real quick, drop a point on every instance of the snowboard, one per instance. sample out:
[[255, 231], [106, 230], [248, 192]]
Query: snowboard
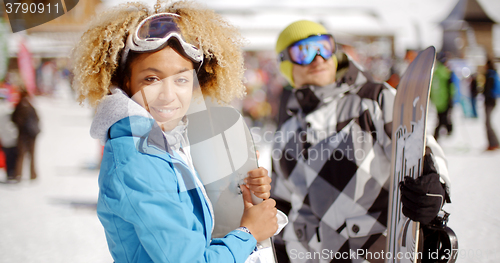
[[408, 148], [223, 151]]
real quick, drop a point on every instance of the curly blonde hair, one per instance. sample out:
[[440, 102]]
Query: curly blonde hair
[[97, 56]]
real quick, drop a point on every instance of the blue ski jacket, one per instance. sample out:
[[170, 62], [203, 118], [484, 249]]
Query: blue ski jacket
[[150, 205]]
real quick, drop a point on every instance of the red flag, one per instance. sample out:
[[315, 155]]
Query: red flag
[[25, 63]]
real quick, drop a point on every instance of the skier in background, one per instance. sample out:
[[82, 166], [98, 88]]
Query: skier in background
[[489, 105], [473, 94], [26, 119], [442, 91]]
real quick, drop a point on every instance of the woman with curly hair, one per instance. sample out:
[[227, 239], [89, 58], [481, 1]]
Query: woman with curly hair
[[140, 69]]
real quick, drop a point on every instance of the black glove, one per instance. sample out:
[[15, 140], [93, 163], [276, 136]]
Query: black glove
[[423, 197]]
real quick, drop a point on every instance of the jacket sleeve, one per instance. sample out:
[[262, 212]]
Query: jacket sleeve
[[279, 191], [280, 186], [19, 114], [163, 217], [488, 84], [440, 162], [383, 120]]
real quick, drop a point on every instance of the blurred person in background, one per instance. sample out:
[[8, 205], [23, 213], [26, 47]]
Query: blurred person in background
[[8, 137], [473, 88], [490, 103], [332, 156], [26, 119], [442, 92], [394, 78], [139, 67]]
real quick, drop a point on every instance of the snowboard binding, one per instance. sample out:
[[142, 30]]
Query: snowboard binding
[[440, 242]]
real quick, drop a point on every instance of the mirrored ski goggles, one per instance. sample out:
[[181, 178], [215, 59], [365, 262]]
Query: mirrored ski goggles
[[305, 50], [154, 33]]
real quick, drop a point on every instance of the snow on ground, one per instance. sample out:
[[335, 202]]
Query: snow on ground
[[475, 177], [53, 219]]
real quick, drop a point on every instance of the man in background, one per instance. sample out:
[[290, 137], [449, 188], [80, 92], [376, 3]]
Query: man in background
[[26, 119], [490, 103], [332, 156], [442, 92]]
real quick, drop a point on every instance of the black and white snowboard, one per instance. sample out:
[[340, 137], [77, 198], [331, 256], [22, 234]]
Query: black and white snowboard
[[404, 237]]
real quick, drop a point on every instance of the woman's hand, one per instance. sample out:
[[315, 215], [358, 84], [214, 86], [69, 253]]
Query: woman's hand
[[259, 183], [260, 219]]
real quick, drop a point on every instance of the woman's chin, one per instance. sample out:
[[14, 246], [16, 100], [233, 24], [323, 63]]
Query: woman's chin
[[168, 125]]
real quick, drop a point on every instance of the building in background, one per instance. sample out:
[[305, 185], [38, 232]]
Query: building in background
[[468, 32], [468, 42]]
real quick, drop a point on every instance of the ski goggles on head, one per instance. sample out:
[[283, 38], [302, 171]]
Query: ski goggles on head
[[154, 33], [305, 50]]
